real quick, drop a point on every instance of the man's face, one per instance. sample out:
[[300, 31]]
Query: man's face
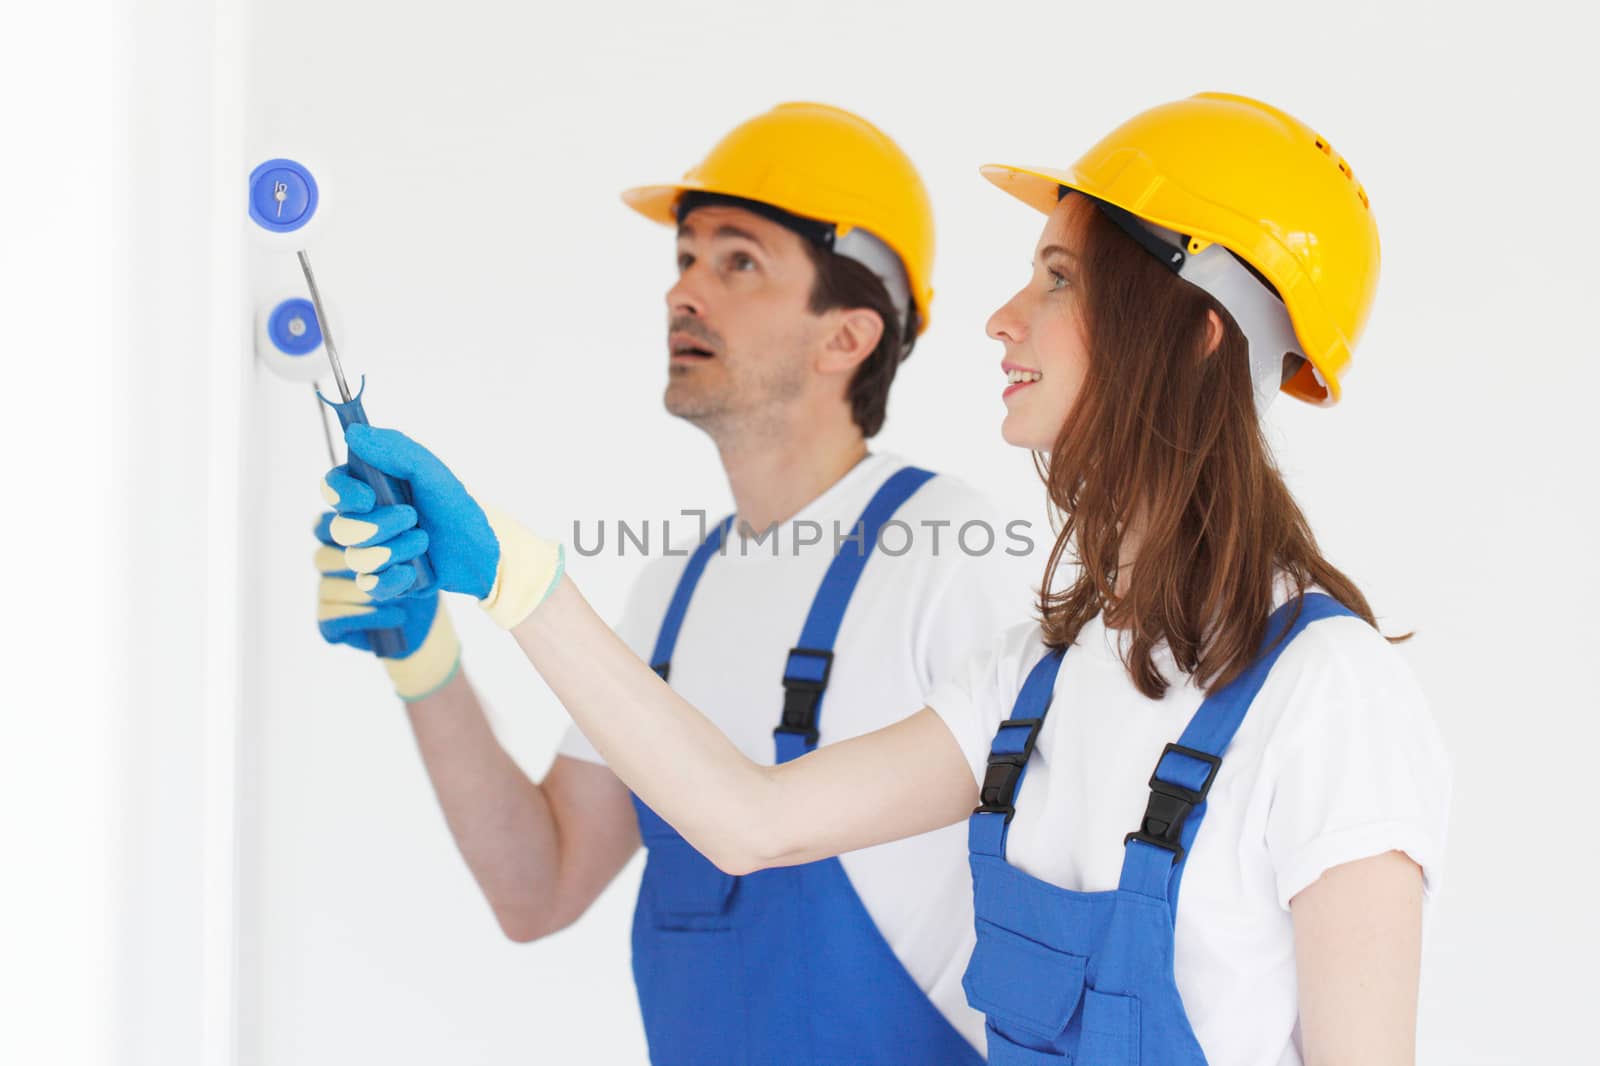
[[741, 340]]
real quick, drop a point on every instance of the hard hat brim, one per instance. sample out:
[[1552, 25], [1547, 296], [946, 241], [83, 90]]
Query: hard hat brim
[[656, 202]]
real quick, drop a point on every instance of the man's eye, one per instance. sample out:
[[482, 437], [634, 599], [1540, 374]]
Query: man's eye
[[740, 261], [685, 260]]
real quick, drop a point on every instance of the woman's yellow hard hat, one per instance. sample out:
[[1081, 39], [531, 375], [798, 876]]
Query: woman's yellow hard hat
[[821, 163], [1232, 171]]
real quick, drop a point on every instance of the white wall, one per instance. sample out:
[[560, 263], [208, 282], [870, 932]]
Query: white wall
[[508, 309], [125, 355], [58, 729], [180, 368]]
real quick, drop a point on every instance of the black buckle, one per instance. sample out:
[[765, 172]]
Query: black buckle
[[801, 694], [662, 669], [999, 792], [1170, 804]]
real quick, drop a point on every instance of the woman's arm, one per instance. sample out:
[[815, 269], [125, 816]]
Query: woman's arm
[[1358, 954], [897, 782], [906, 779]]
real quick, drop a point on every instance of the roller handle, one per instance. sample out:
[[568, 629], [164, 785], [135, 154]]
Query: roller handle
[[386, 643]]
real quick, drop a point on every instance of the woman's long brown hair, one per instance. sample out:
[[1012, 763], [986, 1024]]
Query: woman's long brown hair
[[1165, 437]]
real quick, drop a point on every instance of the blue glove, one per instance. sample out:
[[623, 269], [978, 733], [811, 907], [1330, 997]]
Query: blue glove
[[483, 554], [347, 615]]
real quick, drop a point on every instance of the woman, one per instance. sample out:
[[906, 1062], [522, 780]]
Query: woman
[[1200, 258]]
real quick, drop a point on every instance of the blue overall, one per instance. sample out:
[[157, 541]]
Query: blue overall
[[1086, 978], [782, 966]]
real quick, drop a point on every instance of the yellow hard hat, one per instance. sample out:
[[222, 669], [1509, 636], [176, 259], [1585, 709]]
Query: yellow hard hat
[[1232, 171], [821, 163]]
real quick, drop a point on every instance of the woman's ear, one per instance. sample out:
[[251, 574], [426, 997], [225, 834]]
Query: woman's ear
[[1213, 331], [855, 336]]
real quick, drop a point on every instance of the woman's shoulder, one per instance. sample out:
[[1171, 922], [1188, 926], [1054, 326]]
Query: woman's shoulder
[[1340, 673], [1345, 645]]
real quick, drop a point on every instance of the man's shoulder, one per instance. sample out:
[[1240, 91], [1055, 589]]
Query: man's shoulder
[[655, 581], [950, 524], [663, 567], [943, 496]]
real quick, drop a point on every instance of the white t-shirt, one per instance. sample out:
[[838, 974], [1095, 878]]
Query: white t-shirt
[[1337, 760], [921, 609]]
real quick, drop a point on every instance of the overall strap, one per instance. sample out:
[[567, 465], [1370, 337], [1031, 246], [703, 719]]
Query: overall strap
[[1154, 855], [667, 637], [805, 673], [1008, 758]]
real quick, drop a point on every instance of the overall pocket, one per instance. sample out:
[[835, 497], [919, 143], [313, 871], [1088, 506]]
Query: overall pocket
[[1005, 1052], [689, 996], [1110, 1030], [1028, 990], [685, 890], [687, 962]]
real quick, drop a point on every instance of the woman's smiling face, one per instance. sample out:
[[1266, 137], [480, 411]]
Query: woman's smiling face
[[1043, 330]]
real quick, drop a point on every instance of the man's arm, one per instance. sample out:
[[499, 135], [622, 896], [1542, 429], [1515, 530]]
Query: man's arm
[[541, 852]]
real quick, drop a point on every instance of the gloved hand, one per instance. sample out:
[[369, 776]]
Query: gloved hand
[[347, 615], [479, 552]]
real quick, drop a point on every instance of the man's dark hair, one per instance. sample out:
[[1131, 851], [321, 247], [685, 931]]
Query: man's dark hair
[[845, 283]]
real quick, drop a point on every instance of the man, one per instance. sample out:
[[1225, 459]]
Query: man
[[804, 249]]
